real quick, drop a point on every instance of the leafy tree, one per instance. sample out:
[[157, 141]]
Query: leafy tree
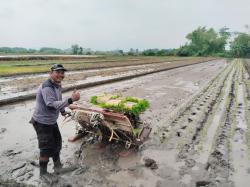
[[75, 49], [184, 51], [131, 52], [240, 46], [49, 50], [159, 52], [16, 50], [80, 50], [121, 52], [203, 42], [166, 52], [150, 52], [224, 32]]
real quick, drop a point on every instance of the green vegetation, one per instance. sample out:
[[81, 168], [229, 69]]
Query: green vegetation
[[204, 42], [77, 50], [93, 100], [208, 42], [240, 47], [124, 104], [21, 50], [15, 50], [159, 52], [14, 67]]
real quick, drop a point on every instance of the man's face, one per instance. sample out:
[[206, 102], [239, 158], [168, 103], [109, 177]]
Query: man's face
[[57, 76]]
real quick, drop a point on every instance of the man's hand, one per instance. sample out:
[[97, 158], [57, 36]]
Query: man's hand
[[75, 95], [65, 113], [73, 106]]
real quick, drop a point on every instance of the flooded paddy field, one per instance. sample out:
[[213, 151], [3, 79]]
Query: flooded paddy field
[[22, 66], [22, 86], [200, 119]]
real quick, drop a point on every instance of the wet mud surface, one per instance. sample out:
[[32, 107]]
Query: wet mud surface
[[18, 86], [198, 115]]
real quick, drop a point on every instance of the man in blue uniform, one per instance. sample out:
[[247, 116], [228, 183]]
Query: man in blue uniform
[[49, 104]]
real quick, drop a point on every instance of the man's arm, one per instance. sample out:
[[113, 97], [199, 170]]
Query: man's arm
[[51, 100]]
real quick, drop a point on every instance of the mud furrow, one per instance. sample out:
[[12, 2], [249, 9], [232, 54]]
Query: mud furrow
[[226, 157], [189, 126], [209, 137], [202, 144], [30, 96], [205, 129], [218, 165], [205, 170], [240, 158], [178, 139], [188, 114], [247, 103]]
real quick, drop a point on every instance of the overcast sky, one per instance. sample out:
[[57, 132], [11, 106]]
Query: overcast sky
[[114, 24]]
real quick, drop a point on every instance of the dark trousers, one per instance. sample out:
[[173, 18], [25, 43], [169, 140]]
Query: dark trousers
[[49, 139]]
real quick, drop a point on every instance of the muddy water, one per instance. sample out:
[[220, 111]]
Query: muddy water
[[18, 86], [27, 85], [222, 159], [211, 131], [183, 136], [165, 91], [240, 158], [20, 77]]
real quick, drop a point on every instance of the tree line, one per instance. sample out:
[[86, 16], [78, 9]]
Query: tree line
[[202, 41], [208, 42]]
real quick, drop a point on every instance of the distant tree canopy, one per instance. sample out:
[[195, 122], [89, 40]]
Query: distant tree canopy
[[204, 42], [75, 48], [18, 50], [78, 50], [240, 46], [201, 42], [133, 52], [159, 52], [49, 50], [21, 50]]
